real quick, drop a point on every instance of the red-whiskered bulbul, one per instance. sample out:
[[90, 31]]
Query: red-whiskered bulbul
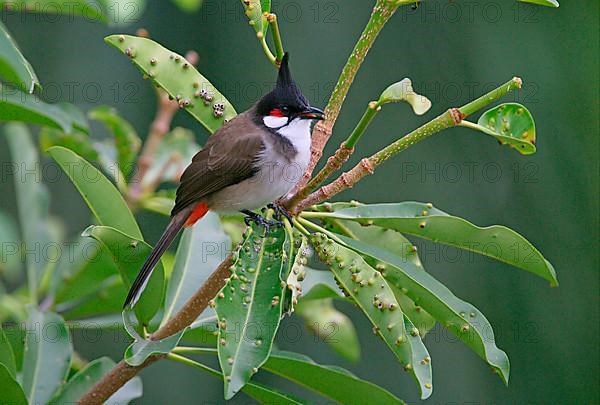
[[251, 161]]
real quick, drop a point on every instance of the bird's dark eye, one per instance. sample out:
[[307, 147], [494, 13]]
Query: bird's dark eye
[[285, 109]]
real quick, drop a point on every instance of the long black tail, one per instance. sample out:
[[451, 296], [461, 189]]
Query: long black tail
[[163, 244]]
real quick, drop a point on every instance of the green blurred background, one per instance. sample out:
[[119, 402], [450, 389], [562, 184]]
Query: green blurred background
[[452, 51]]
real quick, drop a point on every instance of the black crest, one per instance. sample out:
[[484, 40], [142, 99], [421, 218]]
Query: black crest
[[285, 92]]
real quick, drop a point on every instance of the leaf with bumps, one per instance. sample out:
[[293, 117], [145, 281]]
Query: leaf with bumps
[[460, 317], [397, 244], [14, 68], [332, 326], [138, 351], [372, 293], [294, 272], [403, 91], [511, 124], [254, 12], [425, 221], [129, 254], [178, 78], [127, 141], [250, 305]]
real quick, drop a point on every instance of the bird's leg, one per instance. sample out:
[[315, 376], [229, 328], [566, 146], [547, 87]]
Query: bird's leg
[[258, 219], [280, 211]]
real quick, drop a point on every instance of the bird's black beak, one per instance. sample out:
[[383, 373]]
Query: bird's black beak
[[312, 113]]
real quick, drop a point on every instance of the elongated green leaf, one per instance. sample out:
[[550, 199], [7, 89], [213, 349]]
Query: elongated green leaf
[[7, 357], [397, 244], [86, 8], [47, 355], [201, 249], [83, 271], [424, 221], [85, 379], [172, 156], [32, 201], [10, 256], [101, 196], [107, 300], [511, 124], [460, 317], [189, 6], [420, 366], [17, 106], [318, 285], [141, 348], [75, 141], [375, 298], [254, 12], [12, 393], [249, 306], [177, 77], [14, 68], [294, 273], [76, 116], [547, 3], [332, 382], [129, 254], [332, 326], [262, 393], [403, 91], [127, 141]]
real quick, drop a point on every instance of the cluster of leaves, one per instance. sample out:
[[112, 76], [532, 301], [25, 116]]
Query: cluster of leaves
[[362, 251]]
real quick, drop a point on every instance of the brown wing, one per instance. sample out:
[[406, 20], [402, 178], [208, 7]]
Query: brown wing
[[227, 158]]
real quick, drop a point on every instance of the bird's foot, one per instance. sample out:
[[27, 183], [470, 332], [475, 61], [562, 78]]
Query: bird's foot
[[259, 220], [280, 211]]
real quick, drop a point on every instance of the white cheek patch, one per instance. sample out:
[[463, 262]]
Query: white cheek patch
[[275, 122]]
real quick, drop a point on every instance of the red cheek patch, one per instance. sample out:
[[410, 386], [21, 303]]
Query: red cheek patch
[[276, 112]]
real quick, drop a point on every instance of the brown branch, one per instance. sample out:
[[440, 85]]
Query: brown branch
[[122, 372]]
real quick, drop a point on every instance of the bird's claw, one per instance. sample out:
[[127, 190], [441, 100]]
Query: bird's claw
[[280, 211], [253, 217]]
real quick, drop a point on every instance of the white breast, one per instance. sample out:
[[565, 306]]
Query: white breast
[[277, 175]]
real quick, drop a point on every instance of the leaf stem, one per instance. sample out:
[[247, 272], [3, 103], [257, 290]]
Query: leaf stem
[[267, 51], [380, 15], [272, 19], [450, 118], [192, 363]]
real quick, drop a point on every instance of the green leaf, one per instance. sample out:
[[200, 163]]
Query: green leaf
[[177, 77], [87, 8], [17, 106], [397, 244], [332, 382], [10, 256], [547, 3], [7, 357], [14, 68], [32, 200], [76, 116], [80, 384], [107, 300], [294, 273], [319, 284], [253, 10], [201, 249], [127, 141], [47, 355], [82, 272], [332, 326], [375, 298], [129, 254], [75, 141], [460, 317], [403, 91], [188, 6], [122, 12], [101, 196], [511, 124], [249, 306], [12, 393], [171, 157], [141, 348], [426, 222]]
